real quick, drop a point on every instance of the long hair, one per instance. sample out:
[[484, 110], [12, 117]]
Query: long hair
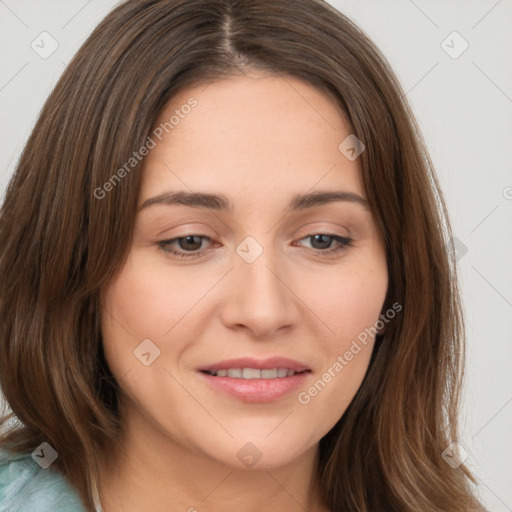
[[62, 239]]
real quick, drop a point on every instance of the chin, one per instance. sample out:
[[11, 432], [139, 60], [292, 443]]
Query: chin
[[261, 452]]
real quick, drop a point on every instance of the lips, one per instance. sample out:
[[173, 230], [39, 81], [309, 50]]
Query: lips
[[255, 380], [252, 373]]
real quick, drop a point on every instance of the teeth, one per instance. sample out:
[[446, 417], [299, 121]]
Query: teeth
[[253, 373]]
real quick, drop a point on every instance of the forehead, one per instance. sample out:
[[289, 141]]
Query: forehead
[[249, 134]]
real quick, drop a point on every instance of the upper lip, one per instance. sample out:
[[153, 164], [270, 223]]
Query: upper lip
[[260, 364]]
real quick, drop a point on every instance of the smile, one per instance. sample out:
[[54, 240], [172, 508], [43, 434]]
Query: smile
[[252, 373], [249, 379]]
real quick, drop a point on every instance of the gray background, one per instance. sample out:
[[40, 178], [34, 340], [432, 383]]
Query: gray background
[[464, 107]]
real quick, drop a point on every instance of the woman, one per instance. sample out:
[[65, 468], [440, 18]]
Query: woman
[[175, 334]]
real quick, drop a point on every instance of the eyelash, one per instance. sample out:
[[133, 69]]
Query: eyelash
[[343, 241]]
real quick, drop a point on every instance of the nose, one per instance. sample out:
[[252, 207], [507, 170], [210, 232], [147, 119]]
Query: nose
[[260, 299]]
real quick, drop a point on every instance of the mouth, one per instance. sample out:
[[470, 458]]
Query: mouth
[[252, 380], [254, 373]]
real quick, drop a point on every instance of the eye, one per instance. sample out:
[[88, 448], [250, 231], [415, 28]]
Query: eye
[[190, 246], [324, 241], [186, 244]]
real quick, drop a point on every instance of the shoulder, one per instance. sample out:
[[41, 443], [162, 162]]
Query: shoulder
[[26, 487]]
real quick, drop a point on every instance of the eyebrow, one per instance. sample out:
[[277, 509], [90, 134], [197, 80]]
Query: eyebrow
[[220, 202]]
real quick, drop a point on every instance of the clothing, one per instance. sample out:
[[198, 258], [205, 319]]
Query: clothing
[[26, 487]]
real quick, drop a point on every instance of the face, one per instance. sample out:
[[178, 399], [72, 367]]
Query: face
[[231, 327]]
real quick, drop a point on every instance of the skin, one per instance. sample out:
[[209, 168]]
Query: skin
[[259, 140]]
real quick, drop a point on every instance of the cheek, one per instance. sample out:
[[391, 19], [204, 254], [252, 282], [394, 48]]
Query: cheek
[[348, 303], [147, 300], [135, 306], [140, 304]]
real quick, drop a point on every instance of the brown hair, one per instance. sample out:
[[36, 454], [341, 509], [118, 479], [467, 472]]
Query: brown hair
[[60, 244]]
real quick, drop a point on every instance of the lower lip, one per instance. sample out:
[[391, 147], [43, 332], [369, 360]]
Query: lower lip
[[256, 390]]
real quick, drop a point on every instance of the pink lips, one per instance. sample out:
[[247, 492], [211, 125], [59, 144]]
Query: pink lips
[[256, 390]]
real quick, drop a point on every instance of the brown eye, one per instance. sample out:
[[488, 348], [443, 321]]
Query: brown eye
[[322, 242], [190, 242], [184, 246]]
